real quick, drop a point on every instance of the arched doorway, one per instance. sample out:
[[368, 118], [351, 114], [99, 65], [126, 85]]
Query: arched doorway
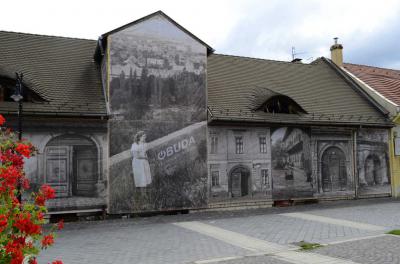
[[71, 166], [372, 166], [239, 181], [334, 177]]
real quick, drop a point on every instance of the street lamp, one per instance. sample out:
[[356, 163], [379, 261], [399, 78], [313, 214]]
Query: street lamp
[[18, 97]]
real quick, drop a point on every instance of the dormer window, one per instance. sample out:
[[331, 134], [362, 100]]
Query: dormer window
[[281, 104], [270, 101], [7, 88]]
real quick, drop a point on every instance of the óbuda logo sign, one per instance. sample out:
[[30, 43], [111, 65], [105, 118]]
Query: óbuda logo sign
[[175, 148]]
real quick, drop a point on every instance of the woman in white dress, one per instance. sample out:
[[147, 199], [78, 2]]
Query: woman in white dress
[[140, 163]]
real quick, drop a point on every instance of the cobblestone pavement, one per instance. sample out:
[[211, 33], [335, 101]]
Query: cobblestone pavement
[[155, 243], [254, 259], [285, 230], [387, 215], [382, 250], [246, 236]]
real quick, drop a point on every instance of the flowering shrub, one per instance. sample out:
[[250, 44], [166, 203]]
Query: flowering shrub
[[21, 233]]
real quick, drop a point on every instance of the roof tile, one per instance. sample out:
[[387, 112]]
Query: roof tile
[[384, 81], [232, 81], [59, 69]]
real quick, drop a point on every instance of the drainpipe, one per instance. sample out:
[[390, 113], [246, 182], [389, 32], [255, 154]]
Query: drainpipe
[[355, 171], [392, 160]]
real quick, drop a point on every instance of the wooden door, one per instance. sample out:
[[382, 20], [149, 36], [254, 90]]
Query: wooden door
[[57, 164], [334, 176], [244, 183], [372, 170], [236, 184], [85, 171]]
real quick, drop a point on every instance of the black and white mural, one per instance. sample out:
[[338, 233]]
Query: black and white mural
[[239, 163], [373, 161], [72, 159], [291, 163], [158, 149], [295, 162], [332, 161]]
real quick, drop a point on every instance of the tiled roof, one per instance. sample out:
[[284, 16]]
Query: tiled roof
[[384, 81], [234, 82], [61, 70]]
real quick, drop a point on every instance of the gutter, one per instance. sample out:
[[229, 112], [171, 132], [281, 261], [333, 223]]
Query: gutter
[[213, 121], [58, 114], [356, 86]]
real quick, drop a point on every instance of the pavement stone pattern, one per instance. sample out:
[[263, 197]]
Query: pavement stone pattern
[[157, 240], [287, 230], [155, 243], [387, 215], [254, 260], [382, 250]]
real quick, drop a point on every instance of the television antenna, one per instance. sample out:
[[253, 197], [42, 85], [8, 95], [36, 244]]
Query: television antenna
[[294, 53]]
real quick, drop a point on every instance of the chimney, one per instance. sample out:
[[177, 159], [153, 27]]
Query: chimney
[[337, 53]]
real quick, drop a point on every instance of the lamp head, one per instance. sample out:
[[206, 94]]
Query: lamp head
[[17, 96]]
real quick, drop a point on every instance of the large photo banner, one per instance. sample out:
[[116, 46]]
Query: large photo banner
[[291, 163], [167, 173], [157, 129], [373, 162]]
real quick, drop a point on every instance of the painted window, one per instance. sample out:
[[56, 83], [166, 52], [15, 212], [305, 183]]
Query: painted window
[[215, 178], [264, 177], [214, 145], [239, 145], [263, 145]]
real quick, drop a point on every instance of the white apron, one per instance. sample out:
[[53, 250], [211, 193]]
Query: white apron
[[140, 165]]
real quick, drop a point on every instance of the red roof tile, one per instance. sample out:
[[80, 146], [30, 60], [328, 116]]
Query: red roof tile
[[384, 81]]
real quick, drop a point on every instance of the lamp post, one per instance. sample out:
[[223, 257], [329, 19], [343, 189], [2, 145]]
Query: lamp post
[[18, 97]]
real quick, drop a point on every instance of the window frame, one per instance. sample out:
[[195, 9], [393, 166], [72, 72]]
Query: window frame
[[264, 177], [214, 144], [263, 144], [215, 178], [239, 148]]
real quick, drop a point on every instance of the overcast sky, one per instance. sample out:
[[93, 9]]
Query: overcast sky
[[368, 30]]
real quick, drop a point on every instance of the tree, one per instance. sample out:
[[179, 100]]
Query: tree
[[21, 233]]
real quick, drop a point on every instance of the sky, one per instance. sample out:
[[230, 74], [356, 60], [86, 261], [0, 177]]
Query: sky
[[368, 30]]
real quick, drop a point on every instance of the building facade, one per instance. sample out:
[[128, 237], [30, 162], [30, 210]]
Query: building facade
[[157, 121], [383, 85]]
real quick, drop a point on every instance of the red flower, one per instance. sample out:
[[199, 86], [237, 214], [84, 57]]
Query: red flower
[[48, 192], [18, 258], [57, 262], [3, 222], [25, 184], [9, 156], [47, 240], [60, 224], [33, 261], [2, 120], [40, 200], [22, 223], [11, 175], [24, 150], [40, 216], [25, 225], [15, 201], [14, 248]]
